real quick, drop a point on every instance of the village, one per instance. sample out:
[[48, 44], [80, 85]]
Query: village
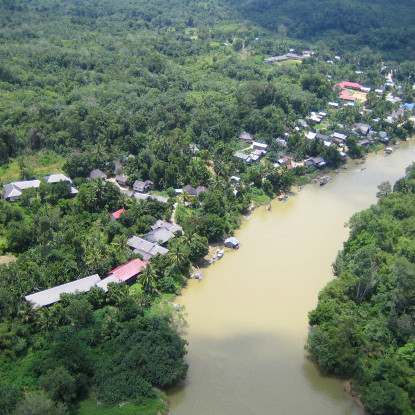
[[347, 141]]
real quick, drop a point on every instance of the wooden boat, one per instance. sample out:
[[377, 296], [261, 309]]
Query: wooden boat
[[282, 197]]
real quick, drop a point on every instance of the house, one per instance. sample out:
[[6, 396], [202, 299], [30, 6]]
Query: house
[[193, 148], [259, 146], [314, 162], [379, 91], [315, 118], [383, 137], [116, 215], [322, 137], [303, 123], [142, 187], [163, 199], [128, 193], [117, 166], [333, 104], [169, 226], [363, 143], [311, 135], [246, 137], [346, 96], [145, 248], [339, 137], [97, 174], [103, 284], [145, 196], [365, 89], [281, 142], [129, 270], [56, 178], [52, 295], [121, 180], [235, 179], [362, 129], [160, 236], [194, 191], [13, 190], [255, 156], [141, 196], [231, 242], [350, 85]]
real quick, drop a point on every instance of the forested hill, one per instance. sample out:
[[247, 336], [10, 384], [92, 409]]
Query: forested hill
[[345, 24], [342, 24], [364, 324]]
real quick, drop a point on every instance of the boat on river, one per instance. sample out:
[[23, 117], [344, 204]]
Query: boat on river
[[324, 180], [219, 253], [282, 197]]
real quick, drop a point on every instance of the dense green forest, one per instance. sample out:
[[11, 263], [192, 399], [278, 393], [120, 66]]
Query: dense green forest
[[133, 87], [363, 327], [344, 25]]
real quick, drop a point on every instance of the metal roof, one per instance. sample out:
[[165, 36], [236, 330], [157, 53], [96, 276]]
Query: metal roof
[[128, 270], [52, 295]]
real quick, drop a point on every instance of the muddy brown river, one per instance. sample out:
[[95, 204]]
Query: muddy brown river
[[247, 318]]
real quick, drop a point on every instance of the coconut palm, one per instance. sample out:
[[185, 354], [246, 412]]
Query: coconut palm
[[178, 256], [148, 279]]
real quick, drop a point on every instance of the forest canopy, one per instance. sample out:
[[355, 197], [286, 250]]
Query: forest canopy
[[363, 327]]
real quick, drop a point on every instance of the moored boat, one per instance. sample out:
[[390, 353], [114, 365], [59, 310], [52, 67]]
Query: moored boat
[[324, 180]]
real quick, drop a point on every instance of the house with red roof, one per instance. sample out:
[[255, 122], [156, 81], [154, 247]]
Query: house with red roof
[[346, 96], [128, 270], [116, 215], [351, 85]]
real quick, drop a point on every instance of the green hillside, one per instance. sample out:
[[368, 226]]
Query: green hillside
[[380, 24]]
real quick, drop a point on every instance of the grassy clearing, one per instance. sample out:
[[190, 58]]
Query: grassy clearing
[[42, 164], [150, 407]]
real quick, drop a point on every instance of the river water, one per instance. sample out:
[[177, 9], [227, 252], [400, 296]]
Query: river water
[[247, 318]]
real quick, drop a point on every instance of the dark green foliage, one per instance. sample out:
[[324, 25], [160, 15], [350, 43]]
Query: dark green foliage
[[9, 397], [364, 324]]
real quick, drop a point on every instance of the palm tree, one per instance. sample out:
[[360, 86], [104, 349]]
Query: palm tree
[[185, 197], [178, 256], [148, 278]]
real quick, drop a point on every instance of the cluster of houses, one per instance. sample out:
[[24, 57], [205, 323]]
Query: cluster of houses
[[13, 190], [140, 188], [149, 245], [257, 149], [291, 56]]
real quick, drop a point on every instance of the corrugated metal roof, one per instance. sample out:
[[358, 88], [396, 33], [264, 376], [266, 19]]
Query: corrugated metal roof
[[128, 270], [105, 281], [117, 213], [52, 295]]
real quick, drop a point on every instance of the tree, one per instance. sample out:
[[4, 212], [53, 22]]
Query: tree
[[385, 398], [59, 385], [79, 310], [148, 279], [385, 188], [9, 397], [237, 44], [37, 403], [178, 256]]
